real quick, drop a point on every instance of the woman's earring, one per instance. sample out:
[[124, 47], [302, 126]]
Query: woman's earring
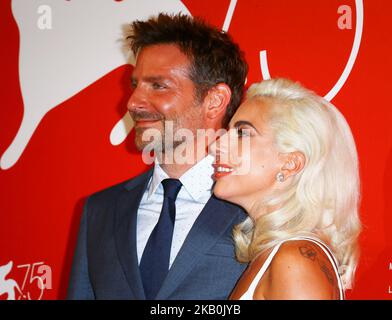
[[280, 177]]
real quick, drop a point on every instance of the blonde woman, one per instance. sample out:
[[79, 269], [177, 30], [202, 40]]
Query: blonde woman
[[298, 181]]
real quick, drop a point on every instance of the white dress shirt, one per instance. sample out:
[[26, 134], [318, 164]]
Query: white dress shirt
[[194, 194]]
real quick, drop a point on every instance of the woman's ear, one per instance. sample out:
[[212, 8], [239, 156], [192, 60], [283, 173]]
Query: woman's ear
[[294, 163], [216, 102]]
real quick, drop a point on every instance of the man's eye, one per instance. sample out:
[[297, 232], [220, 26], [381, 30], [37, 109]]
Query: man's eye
[[157, 85], [133, 84]]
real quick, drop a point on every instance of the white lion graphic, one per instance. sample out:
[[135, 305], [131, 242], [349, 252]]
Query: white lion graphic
[[7, 286]]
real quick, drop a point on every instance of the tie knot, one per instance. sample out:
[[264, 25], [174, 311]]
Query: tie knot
[[171, 188]]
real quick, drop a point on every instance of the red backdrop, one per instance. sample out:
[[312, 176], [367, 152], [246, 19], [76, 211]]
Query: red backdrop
[[70, 156]]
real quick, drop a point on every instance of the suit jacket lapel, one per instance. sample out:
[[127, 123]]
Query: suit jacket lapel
[[125, 231], [212, 222]]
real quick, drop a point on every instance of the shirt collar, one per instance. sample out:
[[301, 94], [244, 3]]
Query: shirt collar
[[196, 181]]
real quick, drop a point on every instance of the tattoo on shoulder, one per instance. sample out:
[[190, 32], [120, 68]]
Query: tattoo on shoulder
[[309, 253]]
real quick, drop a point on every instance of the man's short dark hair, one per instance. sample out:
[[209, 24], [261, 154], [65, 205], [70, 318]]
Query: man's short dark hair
[[214, 56]]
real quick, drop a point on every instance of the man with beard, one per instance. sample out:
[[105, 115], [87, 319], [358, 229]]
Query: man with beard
[[162, 235]]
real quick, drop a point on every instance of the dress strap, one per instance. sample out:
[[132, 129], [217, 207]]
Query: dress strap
[[262, 270], [252, 287]]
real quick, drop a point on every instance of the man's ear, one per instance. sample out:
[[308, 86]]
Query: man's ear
[[216, 102], [293, 163]]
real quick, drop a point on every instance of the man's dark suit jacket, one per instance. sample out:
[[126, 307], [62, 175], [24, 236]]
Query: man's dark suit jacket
[[105, 264]]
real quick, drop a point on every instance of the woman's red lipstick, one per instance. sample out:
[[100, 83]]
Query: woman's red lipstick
[[221, 170]]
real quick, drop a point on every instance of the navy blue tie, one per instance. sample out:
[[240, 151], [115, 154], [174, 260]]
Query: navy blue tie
[[154, 264]]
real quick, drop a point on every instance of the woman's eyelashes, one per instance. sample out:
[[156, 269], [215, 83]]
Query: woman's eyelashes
[[243, 132]]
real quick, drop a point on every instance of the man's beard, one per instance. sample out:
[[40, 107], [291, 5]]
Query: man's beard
[[158, 144]]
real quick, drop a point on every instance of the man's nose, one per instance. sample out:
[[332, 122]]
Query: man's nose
[[137, 100]]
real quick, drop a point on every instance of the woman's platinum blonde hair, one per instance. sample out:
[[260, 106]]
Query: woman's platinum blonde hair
[[322, 199]]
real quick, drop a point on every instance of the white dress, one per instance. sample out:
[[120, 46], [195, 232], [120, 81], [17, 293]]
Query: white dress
[[248, 295]]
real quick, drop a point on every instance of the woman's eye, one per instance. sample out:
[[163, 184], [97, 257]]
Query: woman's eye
[[243, 132]]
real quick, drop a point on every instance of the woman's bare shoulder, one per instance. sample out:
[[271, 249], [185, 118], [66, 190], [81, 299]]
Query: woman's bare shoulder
[[301, 270]]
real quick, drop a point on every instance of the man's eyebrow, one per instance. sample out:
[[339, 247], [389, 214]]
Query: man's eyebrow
[[150, 78], [244, 122]]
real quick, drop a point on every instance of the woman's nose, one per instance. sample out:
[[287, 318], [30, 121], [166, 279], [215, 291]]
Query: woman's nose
[[218, 146], [212, 149]]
